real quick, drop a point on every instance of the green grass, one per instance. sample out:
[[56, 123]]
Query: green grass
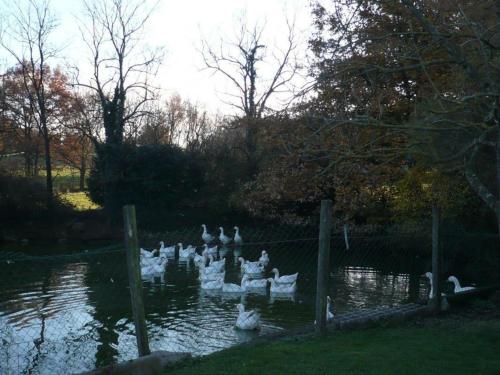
[[80, 201], [469, 348], [64, 178]]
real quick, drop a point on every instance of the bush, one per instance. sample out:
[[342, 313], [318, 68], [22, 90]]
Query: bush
[[23, 199], [155, 178]]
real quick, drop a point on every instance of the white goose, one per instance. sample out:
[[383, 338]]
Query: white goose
[[254, 284], [200, 260], [148, 254], [282, 288], [208, 269], [247, 320], [251, 268], [264, 258], [154, 268], [329, 309], [459, 288], [285, 279], [215, 276], [223, 238], [211, 250], [217, 264], [148, 261], [206, 237], [168, 251], [329, 313], [238, 240], [187, 252], [212, 285], [431, 292], [234, 288]]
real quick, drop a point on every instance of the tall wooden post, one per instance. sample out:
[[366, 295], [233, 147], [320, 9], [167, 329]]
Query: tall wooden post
[[134, 276], [436, 259], [325, 228]]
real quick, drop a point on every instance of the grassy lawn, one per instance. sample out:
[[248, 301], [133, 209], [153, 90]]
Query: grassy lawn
[[79, 200], [471, 347]]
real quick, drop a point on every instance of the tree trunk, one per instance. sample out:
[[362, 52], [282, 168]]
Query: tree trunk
[[83, 170], [497, 149], [36, 168], [48, 168]]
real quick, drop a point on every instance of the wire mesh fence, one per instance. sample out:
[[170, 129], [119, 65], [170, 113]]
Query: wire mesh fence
[[71, 311]]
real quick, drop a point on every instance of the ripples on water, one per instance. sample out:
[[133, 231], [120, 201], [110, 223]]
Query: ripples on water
[[66, 317]]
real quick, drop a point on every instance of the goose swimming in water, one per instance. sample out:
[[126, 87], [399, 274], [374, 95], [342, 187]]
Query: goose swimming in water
[[211, 250], [148, 254], [285, 279], [247, 320], [234, 288], [282, 288], [168, 251], [264, 258], [459, 288]]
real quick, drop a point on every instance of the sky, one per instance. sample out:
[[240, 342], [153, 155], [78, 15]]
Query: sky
[[179, 26]]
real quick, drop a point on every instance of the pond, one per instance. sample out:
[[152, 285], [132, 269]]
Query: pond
[[66, 315]]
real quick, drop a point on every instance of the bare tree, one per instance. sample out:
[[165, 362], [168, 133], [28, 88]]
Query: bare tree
[[239, 61], [257, 72], [121, 71], [29, 31]]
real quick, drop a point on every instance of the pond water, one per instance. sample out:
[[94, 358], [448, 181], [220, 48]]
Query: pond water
[[70, 315]]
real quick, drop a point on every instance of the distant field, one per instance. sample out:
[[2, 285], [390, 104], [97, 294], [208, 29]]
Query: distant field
[[65, 178], [80, 201]]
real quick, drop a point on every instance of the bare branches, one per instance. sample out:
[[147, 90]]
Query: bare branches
[[245, 63], [121, 67]]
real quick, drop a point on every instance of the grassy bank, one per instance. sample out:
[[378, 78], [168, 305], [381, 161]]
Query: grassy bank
[[449, 346]]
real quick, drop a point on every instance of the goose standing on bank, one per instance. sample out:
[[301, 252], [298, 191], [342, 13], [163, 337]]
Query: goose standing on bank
[[459, 288], [223, 238], [238, 240], [247, 320], [431, 291], [206, 237], [329, 309], [285, 279]]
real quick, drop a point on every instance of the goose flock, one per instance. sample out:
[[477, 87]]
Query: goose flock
[[211, 265]]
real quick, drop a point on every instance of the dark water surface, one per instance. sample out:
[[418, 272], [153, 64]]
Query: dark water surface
[[61, 316]]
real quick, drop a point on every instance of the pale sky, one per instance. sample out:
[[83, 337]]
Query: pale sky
[[178, 26]]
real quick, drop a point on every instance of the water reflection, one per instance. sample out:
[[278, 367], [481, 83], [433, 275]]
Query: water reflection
[[77, 314]]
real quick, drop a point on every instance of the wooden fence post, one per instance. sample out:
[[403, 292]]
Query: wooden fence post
[[436, 259], [134, 276], [325, 229]]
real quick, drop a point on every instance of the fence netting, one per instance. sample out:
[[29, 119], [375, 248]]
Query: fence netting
[[69, 311]]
